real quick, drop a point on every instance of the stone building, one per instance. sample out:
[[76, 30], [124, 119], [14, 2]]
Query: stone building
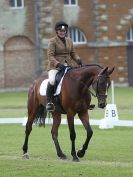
[[101, 30], [18, 61]]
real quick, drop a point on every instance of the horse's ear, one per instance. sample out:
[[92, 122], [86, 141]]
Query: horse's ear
[[104, 70], [111, 70]]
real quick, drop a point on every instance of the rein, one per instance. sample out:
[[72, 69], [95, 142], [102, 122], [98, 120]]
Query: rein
[[92, 93], [85, 85], [97, 94]]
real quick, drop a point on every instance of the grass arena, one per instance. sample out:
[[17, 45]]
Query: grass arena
[[109, 154]]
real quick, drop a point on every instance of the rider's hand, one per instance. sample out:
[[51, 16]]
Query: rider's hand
[[61, 66], [79, 62]]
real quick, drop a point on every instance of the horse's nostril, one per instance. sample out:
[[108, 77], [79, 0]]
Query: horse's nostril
[[102, 105]]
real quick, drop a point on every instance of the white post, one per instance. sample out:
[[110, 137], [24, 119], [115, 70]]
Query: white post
[[112, 88]]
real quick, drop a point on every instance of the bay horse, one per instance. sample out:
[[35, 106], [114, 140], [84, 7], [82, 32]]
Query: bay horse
[[75, 98]]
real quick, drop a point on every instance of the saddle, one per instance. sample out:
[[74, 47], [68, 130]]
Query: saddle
[[56, 99]]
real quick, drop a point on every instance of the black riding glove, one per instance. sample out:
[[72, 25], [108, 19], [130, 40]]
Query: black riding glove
[[79, 62], [61, 66]]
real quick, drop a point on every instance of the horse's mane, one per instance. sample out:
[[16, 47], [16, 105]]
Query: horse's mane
[[94, 65], [88, 65]]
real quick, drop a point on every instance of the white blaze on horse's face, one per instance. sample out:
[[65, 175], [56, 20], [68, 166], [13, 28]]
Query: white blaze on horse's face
[[106, 93], [102, 90]]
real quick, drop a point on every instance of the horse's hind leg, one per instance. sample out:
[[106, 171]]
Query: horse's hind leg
[[54, 132], [72, 137], [85, 120], [31, 115], [25, 145], [32, 111]]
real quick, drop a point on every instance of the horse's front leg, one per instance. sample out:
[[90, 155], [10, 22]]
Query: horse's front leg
[[54, 132], [72, 137], [84, 117]]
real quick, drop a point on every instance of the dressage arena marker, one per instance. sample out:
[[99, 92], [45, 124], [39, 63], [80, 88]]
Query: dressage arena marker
[[110, 117], [111, 113]]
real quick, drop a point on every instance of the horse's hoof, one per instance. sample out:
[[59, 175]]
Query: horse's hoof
[[75, 159], [80, 153], [25, 156], [63, 157]]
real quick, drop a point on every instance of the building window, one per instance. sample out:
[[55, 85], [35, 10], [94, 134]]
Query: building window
[[130, 34], [17, 4], [77, 36], [70, 2]]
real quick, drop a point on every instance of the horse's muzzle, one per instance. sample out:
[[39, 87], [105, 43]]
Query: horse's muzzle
[[102, 102], [102, 105]]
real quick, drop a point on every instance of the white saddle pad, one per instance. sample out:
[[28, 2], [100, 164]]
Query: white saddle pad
[[43, 86]]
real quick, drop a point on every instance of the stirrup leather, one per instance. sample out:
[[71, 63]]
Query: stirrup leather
[[50, 106]]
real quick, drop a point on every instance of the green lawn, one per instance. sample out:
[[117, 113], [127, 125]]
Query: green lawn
[[13, 100], [13, 104], [110, 153]]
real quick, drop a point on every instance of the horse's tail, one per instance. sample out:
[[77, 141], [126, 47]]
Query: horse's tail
[[40, 116], [37, 112]]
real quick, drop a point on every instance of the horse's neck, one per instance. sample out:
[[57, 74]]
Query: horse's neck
[[77, 81], [88, 74]]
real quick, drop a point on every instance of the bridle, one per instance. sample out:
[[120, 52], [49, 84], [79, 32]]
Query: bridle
[[98, 92]]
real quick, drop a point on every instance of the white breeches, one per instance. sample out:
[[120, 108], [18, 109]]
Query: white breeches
[[51, 76]]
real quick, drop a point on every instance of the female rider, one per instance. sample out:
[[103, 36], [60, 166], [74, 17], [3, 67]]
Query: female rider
[[60, 53]]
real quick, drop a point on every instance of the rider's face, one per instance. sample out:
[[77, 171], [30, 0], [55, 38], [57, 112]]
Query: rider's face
[[61, 33]]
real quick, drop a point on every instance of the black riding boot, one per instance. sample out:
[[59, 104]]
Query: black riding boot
[[49, 94]]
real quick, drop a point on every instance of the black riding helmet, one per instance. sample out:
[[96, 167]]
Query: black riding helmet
[[61, 25]]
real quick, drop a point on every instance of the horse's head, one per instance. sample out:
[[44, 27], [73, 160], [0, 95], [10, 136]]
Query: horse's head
[[101, 85]]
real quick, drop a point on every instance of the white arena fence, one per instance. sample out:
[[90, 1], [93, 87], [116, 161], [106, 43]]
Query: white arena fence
[[64, 122]]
